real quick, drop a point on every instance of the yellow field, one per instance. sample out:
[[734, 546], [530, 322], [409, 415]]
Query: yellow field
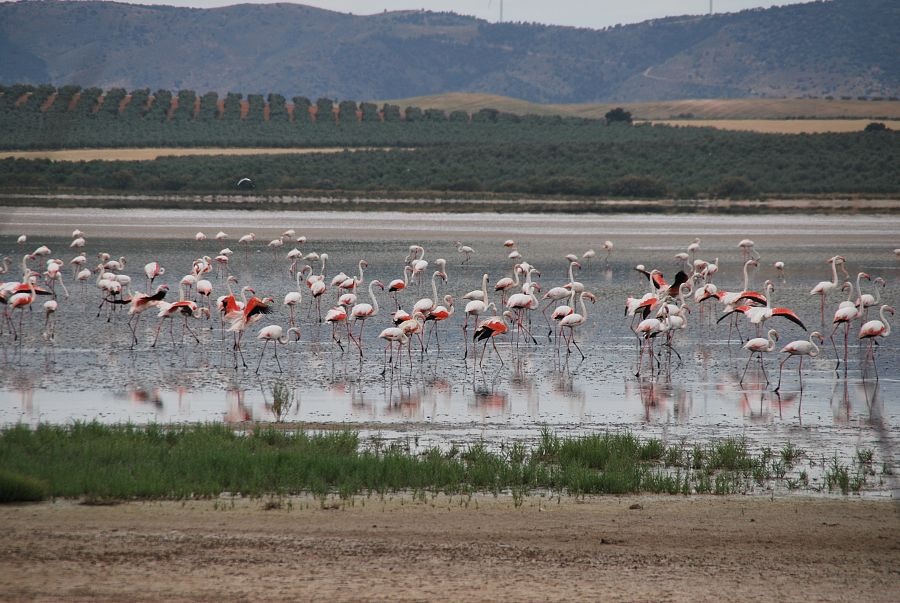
[[153, 153], [780, 126], [757, 108]]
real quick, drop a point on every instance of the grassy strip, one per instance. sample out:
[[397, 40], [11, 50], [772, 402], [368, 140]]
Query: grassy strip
[[102, 462]]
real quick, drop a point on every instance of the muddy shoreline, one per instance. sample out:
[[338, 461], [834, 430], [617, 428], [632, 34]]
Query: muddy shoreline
[[632, 548], [437, 201]]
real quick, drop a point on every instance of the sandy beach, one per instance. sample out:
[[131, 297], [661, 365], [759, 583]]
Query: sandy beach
[[483, 548]]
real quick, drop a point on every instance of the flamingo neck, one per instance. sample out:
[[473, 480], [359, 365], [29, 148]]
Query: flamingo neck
[[834, 276], [484, 280], [583, 306], [884, 320], [747, 275], [572, 275], [360, 272], [372, 296], [434, 294]]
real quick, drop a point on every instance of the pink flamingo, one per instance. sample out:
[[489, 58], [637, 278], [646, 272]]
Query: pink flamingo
[[361, 312], [276, 335], [758, 346], [574, 320], [801, 348], [874, 329], [823, 288]]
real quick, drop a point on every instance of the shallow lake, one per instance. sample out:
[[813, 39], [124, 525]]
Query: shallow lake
[[89, 372]]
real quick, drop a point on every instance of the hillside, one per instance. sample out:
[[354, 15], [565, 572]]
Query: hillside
[[842, 48]]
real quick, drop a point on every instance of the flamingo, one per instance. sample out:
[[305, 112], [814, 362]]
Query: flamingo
[[520, 303], [874, 329], [506, 283], [556, 294], [140, 302], [823, 288], [247, 239], [252, 311], [199, 237], [779, 267], [294, 298], [185, 309], [464, 250], [153, 270], [221, 236], [393, 335], [361, 312], [77, 243], [20, 301], [758, 346], [489, 329], [867, 300], [758, 315], [333, 316], [352, 283], [608, 248], [748, 251], [276, 335], [845, 314], [205, 288], [694, 247], [439, 314], [649, 329], [479, 294], [801, 348], [589, 255], [22, 239], [426, 304], [399, 284], [574, 320]]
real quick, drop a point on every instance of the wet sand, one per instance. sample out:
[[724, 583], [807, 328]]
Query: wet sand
[[664, 549]]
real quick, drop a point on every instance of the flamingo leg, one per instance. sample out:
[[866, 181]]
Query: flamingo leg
[[575, 343], [158, 327], [781, 369], [746, 367], [362, 324], [191, 331], [263, 351], [494, 343], [278, 362]]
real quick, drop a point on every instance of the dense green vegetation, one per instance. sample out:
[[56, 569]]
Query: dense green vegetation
[[488, 152], [118, 462]]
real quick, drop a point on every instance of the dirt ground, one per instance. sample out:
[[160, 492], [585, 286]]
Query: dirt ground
[[452, 549]]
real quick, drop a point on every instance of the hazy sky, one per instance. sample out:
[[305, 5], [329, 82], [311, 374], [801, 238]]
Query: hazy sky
[[593, 13]]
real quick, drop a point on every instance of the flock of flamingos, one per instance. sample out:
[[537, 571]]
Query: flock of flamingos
[[506, 307]]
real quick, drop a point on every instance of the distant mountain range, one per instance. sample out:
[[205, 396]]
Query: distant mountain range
[[840, 48]]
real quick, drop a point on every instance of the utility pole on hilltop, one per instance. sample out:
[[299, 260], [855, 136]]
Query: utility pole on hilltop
[[710, 7]]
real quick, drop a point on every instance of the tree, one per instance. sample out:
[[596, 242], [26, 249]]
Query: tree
[[618, 115], [876, 126], [347, 111], [391, 112], [301, 109], [324, 110]]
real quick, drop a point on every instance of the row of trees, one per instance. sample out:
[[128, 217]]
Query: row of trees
[[640, 162], [24, 99]]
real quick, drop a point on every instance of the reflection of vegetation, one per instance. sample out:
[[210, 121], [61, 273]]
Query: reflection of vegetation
[[108, 462]]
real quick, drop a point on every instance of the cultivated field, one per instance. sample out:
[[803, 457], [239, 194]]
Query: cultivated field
[[780, 126], [787, 108], [150, 154]]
